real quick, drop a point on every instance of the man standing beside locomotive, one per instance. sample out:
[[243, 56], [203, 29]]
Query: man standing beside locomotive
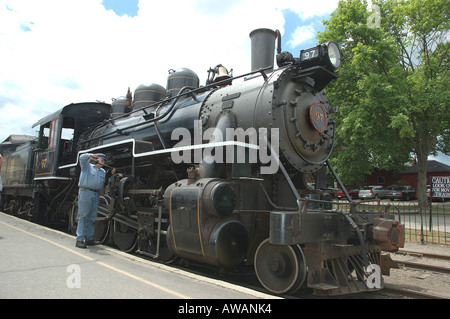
[[92, 180]]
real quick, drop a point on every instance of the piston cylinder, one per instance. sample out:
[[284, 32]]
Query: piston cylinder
[[202, 226]]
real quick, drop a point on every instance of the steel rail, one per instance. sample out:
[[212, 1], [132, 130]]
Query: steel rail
[[390, 287], [422, 266], [422, 254]]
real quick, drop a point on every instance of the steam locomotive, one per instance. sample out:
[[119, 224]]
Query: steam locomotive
[[216, 174]]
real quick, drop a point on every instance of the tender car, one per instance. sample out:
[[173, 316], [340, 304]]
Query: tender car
[[369, 192], [402, 193], [352, 192]]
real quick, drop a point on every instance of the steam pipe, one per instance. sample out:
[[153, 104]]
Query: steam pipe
[[339, 182], [349, 219], [208, 167], [279, 41]]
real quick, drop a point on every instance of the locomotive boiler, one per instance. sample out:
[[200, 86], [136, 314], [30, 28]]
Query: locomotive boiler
[[218, 174]]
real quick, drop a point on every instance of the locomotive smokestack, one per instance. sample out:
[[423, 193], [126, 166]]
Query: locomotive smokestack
[[263, 48]]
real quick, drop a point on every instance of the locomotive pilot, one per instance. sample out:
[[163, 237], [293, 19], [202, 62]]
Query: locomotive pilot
[[92, 180]]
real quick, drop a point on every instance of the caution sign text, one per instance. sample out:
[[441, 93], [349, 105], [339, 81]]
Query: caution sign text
[[440, 186]]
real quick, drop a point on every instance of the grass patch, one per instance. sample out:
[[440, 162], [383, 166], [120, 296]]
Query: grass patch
[[434, 237]]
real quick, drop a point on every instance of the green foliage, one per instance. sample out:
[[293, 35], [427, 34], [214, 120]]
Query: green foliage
[[393, 87]]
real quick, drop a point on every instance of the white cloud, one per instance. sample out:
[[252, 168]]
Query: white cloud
[[301, 34], [55, 52], [308, 9]]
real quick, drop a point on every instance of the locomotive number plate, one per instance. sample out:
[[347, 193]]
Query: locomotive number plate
[[318, 117], [309, 54]]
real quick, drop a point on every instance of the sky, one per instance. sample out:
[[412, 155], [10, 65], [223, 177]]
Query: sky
[[57, 52]]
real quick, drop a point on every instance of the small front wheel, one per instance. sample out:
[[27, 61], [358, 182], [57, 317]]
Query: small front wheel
[[280, 269]]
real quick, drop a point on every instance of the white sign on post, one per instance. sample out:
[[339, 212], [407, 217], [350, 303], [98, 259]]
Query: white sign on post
[[440, 186]]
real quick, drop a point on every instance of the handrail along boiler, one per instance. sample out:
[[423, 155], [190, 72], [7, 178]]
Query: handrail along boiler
[[216, 174]]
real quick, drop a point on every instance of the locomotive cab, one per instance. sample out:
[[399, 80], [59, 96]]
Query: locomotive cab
[[59, 134], [53, 188]]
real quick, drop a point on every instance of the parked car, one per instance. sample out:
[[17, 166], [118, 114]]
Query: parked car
[[402, 193], [440, 199], [434, 199], [369, 192], [352, 192]]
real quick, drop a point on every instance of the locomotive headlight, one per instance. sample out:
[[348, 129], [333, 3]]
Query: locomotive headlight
[[327, 55], [334, 55]]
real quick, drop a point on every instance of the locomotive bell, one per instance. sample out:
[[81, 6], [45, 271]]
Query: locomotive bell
[[221, 75]]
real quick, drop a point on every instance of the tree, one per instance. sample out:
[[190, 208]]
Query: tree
[[393, 87]]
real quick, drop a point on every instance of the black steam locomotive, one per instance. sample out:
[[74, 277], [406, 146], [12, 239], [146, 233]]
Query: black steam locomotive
[[217, 174]]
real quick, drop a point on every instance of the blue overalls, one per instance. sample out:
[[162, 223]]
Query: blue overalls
[[92, 180]]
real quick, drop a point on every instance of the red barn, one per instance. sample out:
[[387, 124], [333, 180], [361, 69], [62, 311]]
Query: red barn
[[406, 177], [434, 168]]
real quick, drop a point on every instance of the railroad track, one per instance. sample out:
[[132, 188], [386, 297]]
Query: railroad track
[[422, 254], [430, 264], [412, 293], [422, 265]]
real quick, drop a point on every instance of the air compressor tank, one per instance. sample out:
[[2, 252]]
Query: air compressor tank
[[146, 95], [119, 107], [180, 78]]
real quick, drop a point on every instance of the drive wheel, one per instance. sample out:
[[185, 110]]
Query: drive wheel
[[125, 237], [73, 219], [149, 244], [102, 225], [280, 269]]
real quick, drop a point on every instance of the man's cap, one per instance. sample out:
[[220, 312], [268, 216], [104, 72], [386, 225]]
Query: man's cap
[[101, 155]]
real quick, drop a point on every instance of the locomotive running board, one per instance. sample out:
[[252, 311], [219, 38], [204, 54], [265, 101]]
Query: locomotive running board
[[135, 154]]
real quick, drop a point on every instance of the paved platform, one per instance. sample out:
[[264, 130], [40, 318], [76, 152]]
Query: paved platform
[[37, 262]]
